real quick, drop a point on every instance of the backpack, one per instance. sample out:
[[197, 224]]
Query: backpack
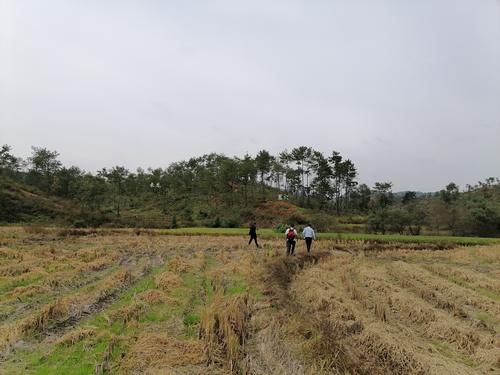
[[291, 234]]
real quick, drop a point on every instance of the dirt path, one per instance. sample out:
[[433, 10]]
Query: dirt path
[[271, 348]]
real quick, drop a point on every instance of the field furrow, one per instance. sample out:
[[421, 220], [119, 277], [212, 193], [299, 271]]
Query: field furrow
[[143, 303]]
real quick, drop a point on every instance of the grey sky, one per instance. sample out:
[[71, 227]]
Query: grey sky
[[409, 90]]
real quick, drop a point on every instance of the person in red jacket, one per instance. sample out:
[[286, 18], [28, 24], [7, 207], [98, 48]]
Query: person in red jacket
[[291, 240]]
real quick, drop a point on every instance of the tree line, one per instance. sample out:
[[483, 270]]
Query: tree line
[[202, 188], [474, 212], [304, 175]]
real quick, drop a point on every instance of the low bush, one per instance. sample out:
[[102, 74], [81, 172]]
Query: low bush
[[231, 222], [280, 228], [323, 222], [297, 219]]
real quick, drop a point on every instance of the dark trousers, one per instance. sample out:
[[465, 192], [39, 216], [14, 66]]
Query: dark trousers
[[290, 247], [253, 238], [309, 242]]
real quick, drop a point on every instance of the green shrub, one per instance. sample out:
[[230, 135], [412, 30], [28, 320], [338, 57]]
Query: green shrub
[[280, 228], [230, 222], [323, 222], [174, 222], [79, 223], [297, 219], [477, 218], [378, 221], [353, 219], [216, 223]]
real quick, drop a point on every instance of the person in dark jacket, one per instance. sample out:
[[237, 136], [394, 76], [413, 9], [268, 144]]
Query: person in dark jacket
[[253, 234]]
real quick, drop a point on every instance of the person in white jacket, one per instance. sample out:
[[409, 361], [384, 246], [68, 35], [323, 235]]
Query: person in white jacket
[[309, 236]]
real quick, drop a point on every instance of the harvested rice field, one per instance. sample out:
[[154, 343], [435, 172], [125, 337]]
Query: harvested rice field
[[142, 302]]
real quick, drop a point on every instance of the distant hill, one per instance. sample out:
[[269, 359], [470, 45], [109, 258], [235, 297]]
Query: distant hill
[[24, 203]]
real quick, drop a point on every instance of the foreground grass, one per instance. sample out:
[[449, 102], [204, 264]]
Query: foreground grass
[[176, 285], [404, 312], [269, 233], [202, 304]]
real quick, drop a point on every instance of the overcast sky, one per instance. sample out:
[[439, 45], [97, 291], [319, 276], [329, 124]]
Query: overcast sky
[[408, 90]]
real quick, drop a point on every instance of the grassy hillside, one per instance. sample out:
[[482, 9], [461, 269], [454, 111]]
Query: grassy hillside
[[473, 213], [24, 203]]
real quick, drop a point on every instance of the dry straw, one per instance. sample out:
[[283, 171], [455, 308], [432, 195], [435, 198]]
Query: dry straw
[[76, 335], [156, 351], [224, 329], [152, 296], [178, 265], [167, 280]]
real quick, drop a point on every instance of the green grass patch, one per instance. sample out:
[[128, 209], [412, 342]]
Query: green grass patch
[[445, 350], [186, 303], [214, 231], [77, 359], [442, 348], [234, 287], [489, 320], [269, 233], [81, 358], [9, 285], [157, 314], [488, 293], [191, 319]]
